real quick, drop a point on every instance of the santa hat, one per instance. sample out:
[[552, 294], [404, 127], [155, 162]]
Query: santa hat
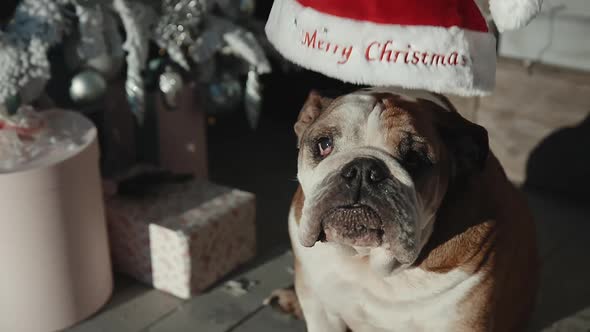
[[443, 46]]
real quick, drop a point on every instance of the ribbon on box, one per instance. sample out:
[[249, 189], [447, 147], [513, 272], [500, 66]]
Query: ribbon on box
[[30, 135], [18, 134]]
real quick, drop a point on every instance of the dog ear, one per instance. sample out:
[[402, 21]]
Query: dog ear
[[466, 141], [312, 108]]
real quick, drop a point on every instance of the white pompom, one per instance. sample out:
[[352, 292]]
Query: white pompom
[[514, 14]]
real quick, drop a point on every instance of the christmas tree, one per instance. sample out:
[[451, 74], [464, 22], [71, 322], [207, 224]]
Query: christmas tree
[[65, 53]]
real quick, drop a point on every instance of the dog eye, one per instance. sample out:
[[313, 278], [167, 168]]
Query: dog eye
[[415, 162], [412, 159], [413, 154], [325, 146]]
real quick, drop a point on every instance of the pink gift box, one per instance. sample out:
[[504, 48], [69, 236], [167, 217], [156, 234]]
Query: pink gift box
[[178, 142], [182, 237], [182, 134]]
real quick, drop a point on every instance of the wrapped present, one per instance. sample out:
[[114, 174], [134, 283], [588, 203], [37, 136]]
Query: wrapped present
[[53, 246], [181, 237], [182, 133], [171, 137]]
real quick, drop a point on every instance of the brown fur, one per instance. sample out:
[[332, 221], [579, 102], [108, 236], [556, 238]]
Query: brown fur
[[297, 203], [285, 299], [485, 226]]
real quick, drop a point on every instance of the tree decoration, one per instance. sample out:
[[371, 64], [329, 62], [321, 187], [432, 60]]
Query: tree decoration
[[24, 41], [225, 93], [179, 27], [196, 35], [137, 19], [193, 35], [253, 98], [97, 43], [87, 87], [170, 84]]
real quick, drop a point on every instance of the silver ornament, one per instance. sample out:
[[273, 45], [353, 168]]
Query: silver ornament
[[171, 84], [87, 87], [225, 93], [253, 98]]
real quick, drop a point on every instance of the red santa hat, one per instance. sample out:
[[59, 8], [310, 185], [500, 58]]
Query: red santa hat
[[443, 46]]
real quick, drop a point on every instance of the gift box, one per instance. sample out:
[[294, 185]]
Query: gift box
[[181, 133], [172, 138], [54, 247], [181, 237]]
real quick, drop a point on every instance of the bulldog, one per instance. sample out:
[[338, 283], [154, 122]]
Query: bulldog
[[405, 221]]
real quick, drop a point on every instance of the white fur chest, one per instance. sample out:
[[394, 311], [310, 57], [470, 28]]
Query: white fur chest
[[411, 300]]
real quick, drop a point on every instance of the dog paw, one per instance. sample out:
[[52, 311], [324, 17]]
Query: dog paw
[[285, 300]]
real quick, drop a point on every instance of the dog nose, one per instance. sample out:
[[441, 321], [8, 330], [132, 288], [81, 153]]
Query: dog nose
[[367, 170]]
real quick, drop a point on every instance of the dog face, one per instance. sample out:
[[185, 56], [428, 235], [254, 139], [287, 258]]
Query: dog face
[[375, 166]]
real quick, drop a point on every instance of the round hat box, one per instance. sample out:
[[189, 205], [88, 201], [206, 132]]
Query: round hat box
[[56, 268]]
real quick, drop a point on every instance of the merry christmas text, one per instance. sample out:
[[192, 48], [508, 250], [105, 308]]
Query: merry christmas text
[[385, 51]]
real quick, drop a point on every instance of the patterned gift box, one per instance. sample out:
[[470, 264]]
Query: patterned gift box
[[182, 237]]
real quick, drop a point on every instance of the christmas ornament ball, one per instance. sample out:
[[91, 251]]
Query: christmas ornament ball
[[225, 93], [87, 87], [170, 83]]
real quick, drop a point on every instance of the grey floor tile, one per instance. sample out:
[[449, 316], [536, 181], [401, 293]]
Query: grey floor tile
[[219, 310], [132, 308]]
